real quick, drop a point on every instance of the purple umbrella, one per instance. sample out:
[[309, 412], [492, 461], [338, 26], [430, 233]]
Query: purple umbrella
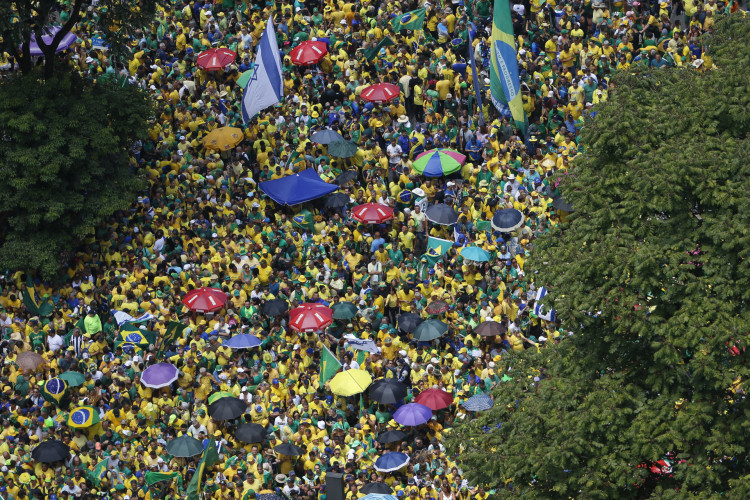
[[159, 375], [49, 33], [412, 414]]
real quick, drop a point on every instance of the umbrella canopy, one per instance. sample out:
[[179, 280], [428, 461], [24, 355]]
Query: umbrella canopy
[[345, 177], [275, 307], [184, 446], [50, 451], [480, 402], [392, 436], [159, 375], [441, 214], [342, 149], [242, 341], [344, 310], [372, 213], [436, 163], [215, 59], [475, 254], [251, 433], [226, 408], [74, 379], [326, 136], [430, 330], [559, 203], [310, 317], [437, 307], [205, 300], [507, 220], [244, 78], [450, 152], [388, 391], [350, 382], [337, 200], [378, 488], [29, 361], [218, 395], [490, 329], [308, 52], [378, 496], [48, 33], [408, 322], [83, 417], [391, 461], [380, 93], [223, 138], [435, 399], [288, 449], [55, 390], [413, 414]]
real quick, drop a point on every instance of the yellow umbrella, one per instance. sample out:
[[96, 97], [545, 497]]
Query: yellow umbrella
[[223, 139], [350, 382], [548, 162]]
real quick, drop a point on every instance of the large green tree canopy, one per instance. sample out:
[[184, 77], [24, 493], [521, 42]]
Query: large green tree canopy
[[651, 277]]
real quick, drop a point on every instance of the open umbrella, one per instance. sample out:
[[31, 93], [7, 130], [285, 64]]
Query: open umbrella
[[435, 399], [391, 461], [450, 152], [308, 52], [205, 299], [48, 33], [344, 310], [475, 254], [441, 214], [215, 59], [392, 436], [337, 200], [490, 329], [345, 177], [436, 163], [74, 379], [380, 93], [218, 395], [29, 361], [388, 391], [379, 496], [479, 402], [350, 382], [342, 149], [437, 307], [326, 136], [408, 322], [226, 408], [288, 449], [244, 78], [184, 446], [372, 213], [83, 417], [275, 307], [251, 433], [223, 138], [242, 341], [159, 375], [50, 451], [412, 414], [430, 330], [310, 317], [377, 488], [507, 220]]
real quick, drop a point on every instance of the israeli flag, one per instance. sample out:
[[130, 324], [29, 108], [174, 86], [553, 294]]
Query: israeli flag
[[123, 317], [266, 87], [542, 312]]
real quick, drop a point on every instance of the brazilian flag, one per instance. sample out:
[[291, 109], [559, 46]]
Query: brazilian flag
[[436, 248], [413, 20], [372, 52], [304, 221], [174, 332], [132, 337], [55, 390], [83, 417], [34, 304]]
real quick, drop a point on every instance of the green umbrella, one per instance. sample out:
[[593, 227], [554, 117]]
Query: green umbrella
[[218, 395], [430, 330], [342, 149], [184, 446], [344, 310], [244, 78], [74, 379]]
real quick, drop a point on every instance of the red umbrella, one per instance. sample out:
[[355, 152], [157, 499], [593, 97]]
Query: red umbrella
[[310, 317], [205, 299], [380, 93], [308, 52], [435, 399], [372, 213], [216, 59]]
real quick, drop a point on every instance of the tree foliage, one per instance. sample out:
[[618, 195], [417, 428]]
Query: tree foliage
[[64, 162], [650, 275]]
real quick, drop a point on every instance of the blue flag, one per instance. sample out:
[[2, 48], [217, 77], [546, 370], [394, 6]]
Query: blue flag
[[266, 86]]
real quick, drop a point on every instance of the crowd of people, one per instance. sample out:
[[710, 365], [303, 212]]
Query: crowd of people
[[204, 222]]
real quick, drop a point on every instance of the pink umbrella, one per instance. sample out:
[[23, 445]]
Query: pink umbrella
[[435, 399], [310, 317]]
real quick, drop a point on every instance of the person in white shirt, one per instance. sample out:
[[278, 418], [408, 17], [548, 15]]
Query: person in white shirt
[[55, 342]]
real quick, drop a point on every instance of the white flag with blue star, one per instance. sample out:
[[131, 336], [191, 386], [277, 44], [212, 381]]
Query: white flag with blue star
[[266, 86]]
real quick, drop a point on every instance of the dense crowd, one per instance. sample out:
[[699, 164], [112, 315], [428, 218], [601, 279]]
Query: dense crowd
[[204, 222]]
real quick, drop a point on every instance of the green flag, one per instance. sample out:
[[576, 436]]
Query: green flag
[[329, 365], [413, 20], [155, 477], [373, 51], [96, 474], [35, 304], [210, 456], [436, 248], [174, 331]]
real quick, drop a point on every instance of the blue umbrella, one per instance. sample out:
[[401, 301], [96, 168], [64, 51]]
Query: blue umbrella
[[412, 415], [242, 341], [480, 402], [391, 461], [475, 254], [507, 220]]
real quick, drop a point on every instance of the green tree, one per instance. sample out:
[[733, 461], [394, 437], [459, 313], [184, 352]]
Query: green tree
[[651, 276], [64, 158]]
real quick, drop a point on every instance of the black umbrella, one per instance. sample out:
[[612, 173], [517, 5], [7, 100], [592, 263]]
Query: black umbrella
[[288, 449], [441, 214], [507, 220], [408, 322], [226, 408], [387, 391], [392, 436], [377, 488], [347, 176], [559, 203], [342, 149], [430, 330], [326, 136], [50, 451], [275, 307], [344, 310], [337, 200], [251, 433], [490, 329]]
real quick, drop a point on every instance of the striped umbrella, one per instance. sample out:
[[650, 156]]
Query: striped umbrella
[[480, 402], [436, 163]]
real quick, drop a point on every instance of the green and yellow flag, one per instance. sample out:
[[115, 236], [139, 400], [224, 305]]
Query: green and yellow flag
[[373, 51], [174, 331], [436, 248], [505, 84], [35, 304], [329, 365], [413, 20], [96, 474], [210, 456]]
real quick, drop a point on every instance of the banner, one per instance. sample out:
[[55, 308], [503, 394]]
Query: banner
[[329, 365], [505, 84]]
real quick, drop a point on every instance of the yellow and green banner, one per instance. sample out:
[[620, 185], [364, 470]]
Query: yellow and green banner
[[505, 84]]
